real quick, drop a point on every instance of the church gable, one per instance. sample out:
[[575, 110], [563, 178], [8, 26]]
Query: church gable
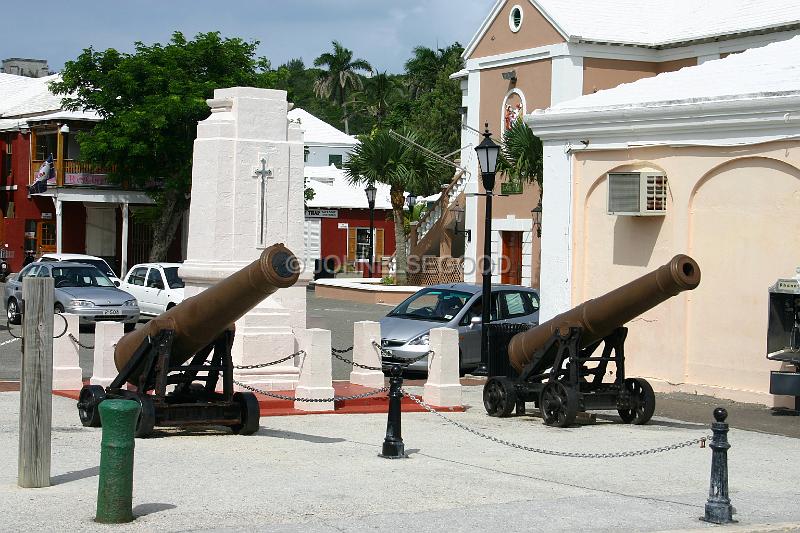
[[518, 25]]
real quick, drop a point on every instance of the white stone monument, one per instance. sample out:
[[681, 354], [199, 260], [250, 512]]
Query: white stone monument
[[106, 335], [67, 373], [247, 194]]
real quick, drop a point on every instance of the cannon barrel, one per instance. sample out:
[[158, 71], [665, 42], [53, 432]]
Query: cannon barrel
[[199, 320], [600, 316]]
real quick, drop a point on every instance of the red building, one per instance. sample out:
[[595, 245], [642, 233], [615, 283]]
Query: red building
[[81, 211], [337, 223]]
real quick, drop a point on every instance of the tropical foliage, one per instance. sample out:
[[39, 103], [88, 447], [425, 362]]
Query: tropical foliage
[[383, 158], [339, 77]]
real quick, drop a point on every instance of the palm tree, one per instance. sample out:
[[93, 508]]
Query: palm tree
[[428, 65], [521, 154], [340, 77], [382, 158], [378, 95]]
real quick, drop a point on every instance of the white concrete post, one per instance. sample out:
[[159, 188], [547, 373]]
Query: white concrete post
[[443, 388], [106, 335], [365, 353], [67, 374], [316, 370], [59, 226]]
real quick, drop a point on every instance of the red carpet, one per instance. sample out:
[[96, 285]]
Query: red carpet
[[278, 407]]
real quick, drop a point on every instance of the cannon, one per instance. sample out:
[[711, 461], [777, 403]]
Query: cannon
[[553, 364], [189, 346]]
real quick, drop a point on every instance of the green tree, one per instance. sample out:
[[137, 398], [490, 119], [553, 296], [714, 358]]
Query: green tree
[[382, 158], [435, 98], [150, 102], [339, 77], [380, 93]]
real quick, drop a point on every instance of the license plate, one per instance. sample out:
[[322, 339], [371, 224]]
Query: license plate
[[111, 312]]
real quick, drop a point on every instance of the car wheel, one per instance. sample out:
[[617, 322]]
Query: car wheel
[[59, 308], [170, 305], [12, 312], [127, 327]]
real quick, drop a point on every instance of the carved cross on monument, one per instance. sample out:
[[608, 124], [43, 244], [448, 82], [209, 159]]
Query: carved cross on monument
[[263, 174]]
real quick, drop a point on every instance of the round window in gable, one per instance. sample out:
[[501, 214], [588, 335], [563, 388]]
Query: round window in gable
[[515, 18]]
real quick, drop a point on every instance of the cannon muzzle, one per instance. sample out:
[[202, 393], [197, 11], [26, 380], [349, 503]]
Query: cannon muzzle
[[198, 320], [600, 316]]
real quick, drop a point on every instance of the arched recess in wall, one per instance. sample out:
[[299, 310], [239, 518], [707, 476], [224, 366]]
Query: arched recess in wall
[[741, 231], [514, 107], [612, 239]]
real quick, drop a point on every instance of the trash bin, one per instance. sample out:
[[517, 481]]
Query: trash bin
[[499, 337]]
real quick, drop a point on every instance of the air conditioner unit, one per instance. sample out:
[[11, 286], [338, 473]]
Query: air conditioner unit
[[637, 194]]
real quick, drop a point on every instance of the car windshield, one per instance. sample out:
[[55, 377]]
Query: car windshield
[[96, 262], [437, 305], [173, 280], [80, 276]]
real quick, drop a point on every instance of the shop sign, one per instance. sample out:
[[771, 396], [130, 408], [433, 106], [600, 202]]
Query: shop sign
[[86, 178], [322, 213], [47, 216]]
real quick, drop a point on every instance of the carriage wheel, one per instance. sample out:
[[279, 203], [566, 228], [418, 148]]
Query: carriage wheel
[[559, 404], [250, 412], [499, 397], [89, 403], [147, 417], [639, 400]]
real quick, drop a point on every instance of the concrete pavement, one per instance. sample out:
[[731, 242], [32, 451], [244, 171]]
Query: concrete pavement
[[322, 473]]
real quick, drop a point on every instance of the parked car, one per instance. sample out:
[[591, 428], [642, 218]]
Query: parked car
[[156, 286], [406, 329], [99, 262], [80, 289]]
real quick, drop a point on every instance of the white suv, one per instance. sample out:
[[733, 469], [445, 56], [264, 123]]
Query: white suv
[[156, 286], [87, 259]]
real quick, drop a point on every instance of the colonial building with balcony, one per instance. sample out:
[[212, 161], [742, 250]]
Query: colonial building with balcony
[[81, 211]]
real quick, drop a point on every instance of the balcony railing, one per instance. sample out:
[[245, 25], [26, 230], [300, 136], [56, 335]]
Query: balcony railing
[[75, 173]]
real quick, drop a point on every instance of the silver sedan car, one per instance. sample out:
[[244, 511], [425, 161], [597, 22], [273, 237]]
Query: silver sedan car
[[80, 289], [405, 331]]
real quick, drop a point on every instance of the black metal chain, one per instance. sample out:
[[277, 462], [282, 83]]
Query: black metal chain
[[66, 325], [76, 341], [344, 350], [405, 361], [8, 325], [559, 453], [353, 363], [271, 363], [312, 400]]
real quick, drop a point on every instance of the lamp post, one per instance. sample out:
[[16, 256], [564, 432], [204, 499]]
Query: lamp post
[[370, 192], [536, 219], [487, 152]]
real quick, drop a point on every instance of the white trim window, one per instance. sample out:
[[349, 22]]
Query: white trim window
[[515, 17]]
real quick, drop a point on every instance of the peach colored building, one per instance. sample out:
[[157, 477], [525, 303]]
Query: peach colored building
[[721, 151], [534, 54]]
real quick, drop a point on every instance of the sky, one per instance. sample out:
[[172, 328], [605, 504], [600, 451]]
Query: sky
[[381, 31]]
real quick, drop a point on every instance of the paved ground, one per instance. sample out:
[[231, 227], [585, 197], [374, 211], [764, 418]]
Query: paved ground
[[322, 473]]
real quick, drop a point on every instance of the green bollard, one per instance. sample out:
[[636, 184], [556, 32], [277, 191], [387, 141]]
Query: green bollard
[[115, 490]]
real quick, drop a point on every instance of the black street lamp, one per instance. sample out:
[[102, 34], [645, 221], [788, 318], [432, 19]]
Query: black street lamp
[[536, 219], [370, 191], [488, 152], [411, 199]]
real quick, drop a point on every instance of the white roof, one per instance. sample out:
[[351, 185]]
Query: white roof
[[339, 193], [319, 132], [769, 71], [30, 99], [656, 23]]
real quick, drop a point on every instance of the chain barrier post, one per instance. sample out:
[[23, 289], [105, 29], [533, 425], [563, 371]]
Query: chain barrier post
[[718, 507], [366, 355], [115, 488], [106, 335], [316, 378], [393, 447], [67, 373]]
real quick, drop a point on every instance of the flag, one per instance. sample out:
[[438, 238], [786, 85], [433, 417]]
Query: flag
[[46, 171]]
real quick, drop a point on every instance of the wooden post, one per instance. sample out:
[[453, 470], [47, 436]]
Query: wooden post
[[36, 384]]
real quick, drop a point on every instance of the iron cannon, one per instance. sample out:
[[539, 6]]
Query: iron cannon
[[198, 331], [552, 364]]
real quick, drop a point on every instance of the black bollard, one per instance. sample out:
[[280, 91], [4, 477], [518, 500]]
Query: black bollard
[[718, 507], [393, 447]]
